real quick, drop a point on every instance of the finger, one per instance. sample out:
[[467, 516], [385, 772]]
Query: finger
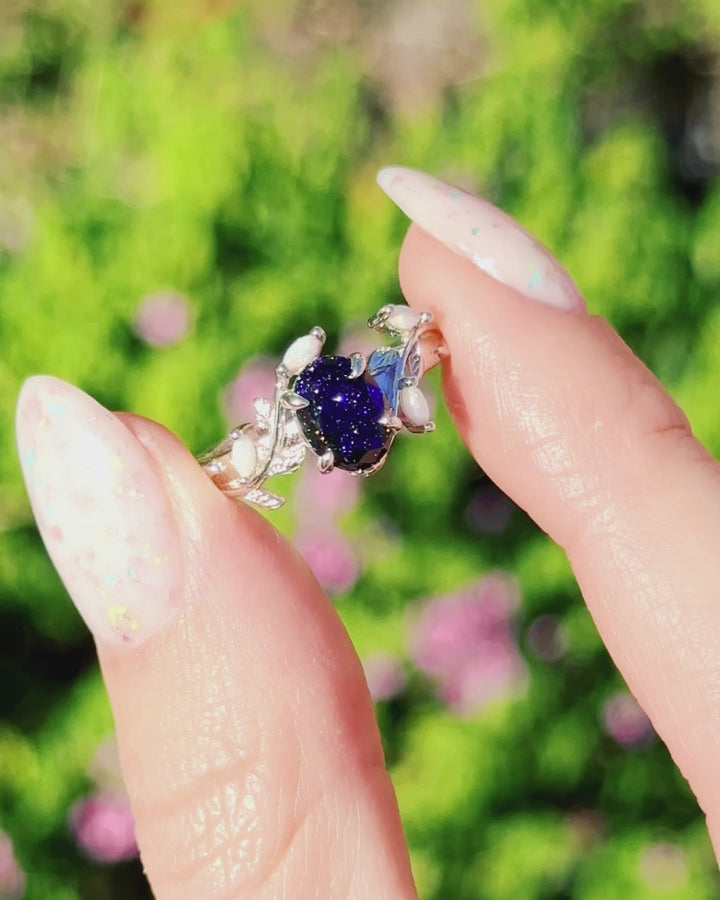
[[246, 733], [567, 421]]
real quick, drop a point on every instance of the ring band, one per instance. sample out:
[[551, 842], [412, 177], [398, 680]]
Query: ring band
[[345, 410]]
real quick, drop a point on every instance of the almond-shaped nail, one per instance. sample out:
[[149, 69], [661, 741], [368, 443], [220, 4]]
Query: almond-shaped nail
[[102, 512], [482, 233]]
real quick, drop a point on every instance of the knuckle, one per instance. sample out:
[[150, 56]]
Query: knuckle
[[631, 404], [641, 436], [224, 832], [206, 836], [647, 415]]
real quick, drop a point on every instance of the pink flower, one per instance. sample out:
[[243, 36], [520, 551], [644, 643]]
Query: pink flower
[[320, 498], [332, 560], [587, 826], [163, 319], [105, 770], [16, 226], [12, 877], [489, 510], [547, 639], [465, 642], [625, 722], [452, 628], [385, 676], [103, 828], [255, 379], [664, 867], [495, 673], [358, 340]]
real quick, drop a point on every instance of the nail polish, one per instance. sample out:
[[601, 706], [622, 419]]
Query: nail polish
[[102, 512], [484, 234]]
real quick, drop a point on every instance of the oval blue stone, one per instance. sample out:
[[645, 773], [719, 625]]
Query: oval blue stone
[[343, 413]]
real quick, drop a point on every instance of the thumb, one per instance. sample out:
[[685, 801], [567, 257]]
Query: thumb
[[246, 732]]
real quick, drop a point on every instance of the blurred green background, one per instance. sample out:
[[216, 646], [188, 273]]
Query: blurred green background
[[218, 157]]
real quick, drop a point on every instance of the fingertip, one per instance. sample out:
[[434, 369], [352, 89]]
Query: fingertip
[[101, 510], [484, 235]]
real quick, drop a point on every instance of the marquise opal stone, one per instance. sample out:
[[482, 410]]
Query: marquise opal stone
[[343, 413]]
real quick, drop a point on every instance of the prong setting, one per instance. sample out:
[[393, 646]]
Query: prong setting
[[291, 400], [394, 423], [326, 462], [320, 334], [358, 364], [377, 322], [427, 428]]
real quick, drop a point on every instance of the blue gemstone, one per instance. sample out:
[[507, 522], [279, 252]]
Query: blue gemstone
[[343, 413], [385, 365]]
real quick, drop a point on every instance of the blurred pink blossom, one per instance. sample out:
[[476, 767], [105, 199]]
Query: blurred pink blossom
[[255, 379], [103, 828], [385, 676], [664, 867], [497, 673], [588, 827], [105, 769], [163, 318], [320, 498], [12, 877], [547, 638], [465, 642], [451, 628], [490, 510], [625, 721], [332, 560], [16, 226], [358, 340]]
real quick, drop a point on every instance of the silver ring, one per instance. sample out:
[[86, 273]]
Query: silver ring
[[345, 410]]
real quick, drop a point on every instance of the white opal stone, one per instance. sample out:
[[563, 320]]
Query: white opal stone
[[243, 456], [301, 353], [402, 318], [414, 406]]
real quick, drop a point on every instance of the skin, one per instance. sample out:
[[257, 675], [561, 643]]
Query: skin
[[246, 732]]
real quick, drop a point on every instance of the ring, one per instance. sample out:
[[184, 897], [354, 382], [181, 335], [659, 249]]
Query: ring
[[345, 410]]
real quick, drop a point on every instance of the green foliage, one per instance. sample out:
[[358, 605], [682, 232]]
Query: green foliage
[[230, 156]]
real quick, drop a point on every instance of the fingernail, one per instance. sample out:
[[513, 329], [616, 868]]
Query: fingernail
[[102, 512], [482, 233]]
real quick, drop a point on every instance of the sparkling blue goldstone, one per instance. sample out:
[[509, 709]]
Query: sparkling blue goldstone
[[343, 413], [385, 365]]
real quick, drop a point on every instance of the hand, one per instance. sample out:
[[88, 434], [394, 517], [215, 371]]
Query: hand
[[246, 732]]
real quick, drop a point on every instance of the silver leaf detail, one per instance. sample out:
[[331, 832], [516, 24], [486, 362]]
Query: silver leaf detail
[[263, 411], [263, 498], [413, 361], [289, 457]]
